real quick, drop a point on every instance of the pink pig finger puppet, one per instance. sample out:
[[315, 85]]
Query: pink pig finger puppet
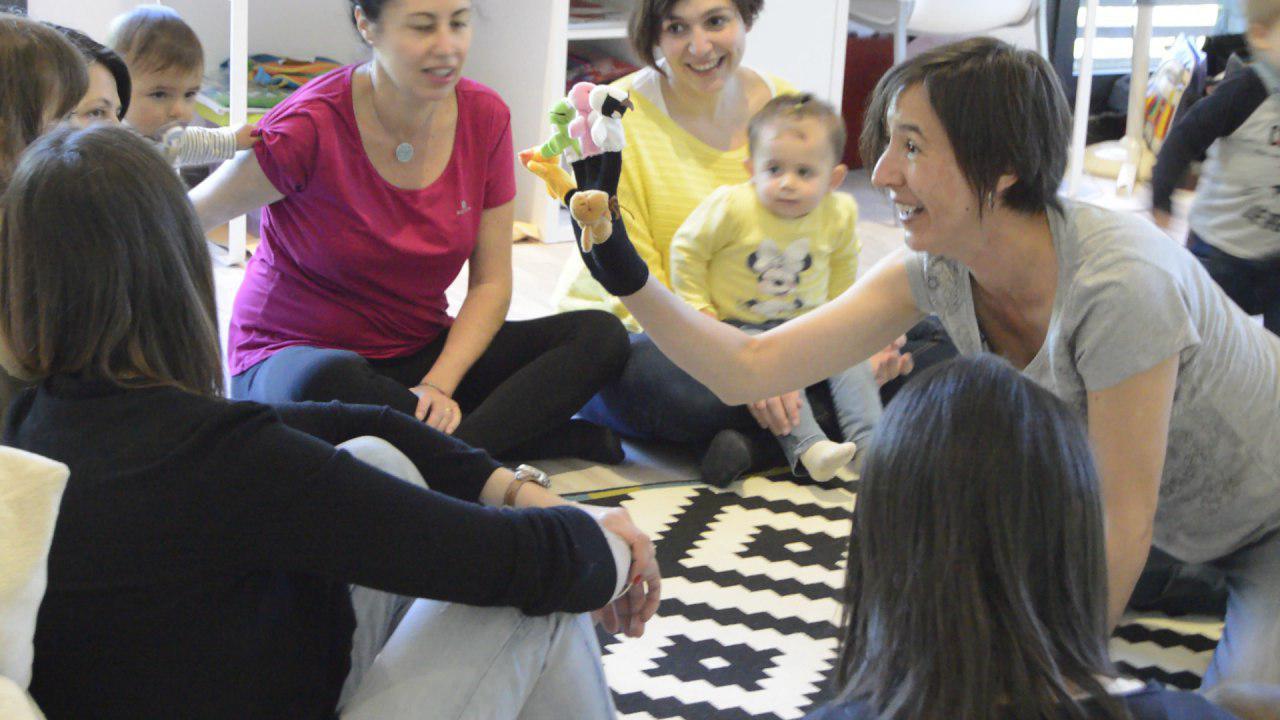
[[608, 103], [579, 128]]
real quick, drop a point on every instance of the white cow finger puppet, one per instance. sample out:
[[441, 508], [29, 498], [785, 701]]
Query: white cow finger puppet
[[608, 103]]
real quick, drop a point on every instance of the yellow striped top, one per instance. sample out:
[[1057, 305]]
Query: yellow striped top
[[666, 173]]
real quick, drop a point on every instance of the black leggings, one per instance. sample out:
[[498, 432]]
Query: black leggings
[[529, 382]]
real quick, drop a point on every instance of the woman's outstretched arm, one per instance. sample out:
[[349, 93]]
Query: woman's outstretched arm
[[740, 368]]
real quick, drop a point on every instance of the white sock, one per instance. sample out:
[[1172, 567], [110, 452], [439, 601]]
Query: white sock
[[848, 474], [825, 457]]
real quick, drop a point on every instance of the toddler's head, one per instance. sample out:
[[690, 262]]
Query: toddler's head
[[166, 63], [795, 144], [1263, 17]]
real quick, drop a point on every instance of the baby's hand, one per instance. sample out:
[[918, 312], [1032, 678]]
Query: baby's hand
[[245, 138]]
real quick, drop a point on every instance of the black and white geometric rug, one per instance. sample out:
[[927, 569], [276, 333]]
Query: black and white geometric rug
[[750, 613]]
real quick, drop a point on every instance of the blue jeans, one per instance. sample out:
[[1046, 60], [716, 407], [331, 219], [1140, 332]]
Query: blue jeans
[[1254, 285], [654, 399], [1249, 651]]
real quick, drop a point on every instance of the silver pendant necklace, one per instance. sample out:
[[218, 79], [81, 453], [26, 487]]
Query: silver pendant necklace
[[404, 150]]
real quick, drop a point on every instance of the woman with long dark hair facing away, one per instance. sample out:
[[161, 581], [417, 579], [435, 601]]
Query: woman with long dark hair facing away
[[976, 586], [218, 559]]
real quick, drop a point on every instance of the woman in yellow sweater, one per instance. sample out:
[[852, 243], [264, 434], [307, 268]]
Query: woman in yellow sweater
[[686, 136]]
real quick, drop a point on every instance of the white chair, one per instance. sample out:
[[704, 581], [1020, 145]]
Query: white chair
[[947, 17], [30, 493]]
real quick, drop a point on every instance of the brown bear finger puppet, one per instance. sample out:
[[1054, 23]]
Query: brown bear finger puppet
[[590, 209]]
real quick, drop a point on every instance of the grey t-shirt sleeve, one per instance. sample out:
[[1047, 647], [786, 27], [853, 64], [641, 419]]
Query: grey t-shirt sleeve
[[1132, 316]]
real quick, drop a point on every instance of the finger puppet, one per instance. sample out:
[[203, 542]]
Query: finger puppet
[[590, 208], [608, 104], [580, 128], [603, 170], [558, 182], [561, 114]]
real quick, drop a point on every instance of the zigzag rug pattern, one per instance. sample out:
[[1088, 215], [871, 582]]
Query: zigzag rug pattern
[[749, 622]]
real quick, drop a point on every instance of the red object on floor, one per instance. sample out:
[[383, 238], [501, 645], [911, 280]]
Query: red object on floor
[[866, 60]]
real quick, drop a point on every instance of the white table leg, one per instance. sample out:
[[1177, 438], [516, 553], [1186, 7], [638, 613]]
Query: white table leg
[[1084, 87], [237, 229], [1127, 178]]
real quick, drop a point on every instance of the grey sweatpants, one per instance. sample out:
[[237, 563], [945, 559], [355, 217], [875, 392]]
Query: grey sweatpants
[[413, 658]]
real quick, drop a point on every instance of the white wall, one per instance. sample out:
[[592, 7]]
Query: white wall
[[300, 29], [295, 29], [88, 16], [803, 42], [511, 53]]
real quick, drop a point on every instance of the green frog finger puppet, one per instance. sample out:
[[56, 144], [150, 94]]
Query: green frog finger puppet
[[561, 114]]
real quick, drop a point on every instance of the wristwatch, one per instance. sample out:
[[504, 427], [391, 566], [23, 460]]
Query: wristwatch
[[529, 473], [524, 474]]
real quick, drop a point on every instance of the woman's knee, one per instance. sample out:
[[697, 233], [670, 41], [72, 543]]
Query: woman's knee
[[384, 456], [323, 375], [604, 336]]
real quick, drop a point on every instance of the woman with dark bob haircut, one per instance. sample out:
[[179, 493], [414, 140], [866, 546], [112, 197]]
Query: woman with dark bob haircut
[[976, 583], [215, 559], [1179, 388], [110, 88]]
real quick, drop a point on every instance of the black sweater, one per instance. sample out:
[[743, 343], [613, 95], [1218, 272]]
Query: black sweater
[[203, 549], [1150, 703]]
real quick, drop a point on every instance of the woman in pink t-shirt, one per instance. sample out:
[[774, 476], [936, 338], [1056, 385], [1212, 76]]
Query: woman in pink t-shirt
[[380, 181]]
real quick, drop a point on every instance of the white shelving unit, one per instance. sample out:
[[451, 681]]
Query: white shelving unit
[[520, 50], [597, 30]]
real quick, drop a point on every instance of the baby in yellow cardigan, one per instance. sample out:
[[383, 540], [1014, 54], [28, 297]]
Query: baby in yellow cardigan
[[765, 251]]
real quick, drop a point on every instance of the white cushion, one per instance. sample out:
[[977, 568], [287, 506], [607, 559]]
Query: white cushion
[[15, 704], [30, 492]]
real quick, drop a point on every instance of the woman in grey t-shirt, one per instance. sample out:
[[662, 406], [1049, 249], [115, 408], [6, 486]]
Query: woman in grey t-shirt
[[1178, 386]]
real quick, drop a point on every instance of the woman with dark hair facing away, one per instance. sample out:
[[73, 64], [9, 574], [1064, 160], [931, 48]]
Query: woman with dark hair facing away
[[1179, 388], [215, 559], [976, 585], [42, 78], [110, 89], [381, 180]]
